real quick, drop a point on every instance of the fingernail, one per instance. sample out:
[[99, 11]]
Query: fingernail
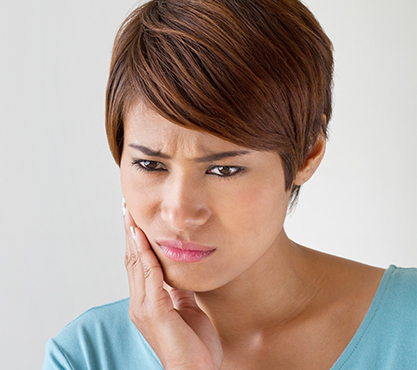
[[123, 207], [132, 231]]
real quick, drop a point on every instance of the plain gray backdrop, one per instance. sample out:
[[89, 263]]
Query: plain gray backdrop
[[62, 239]]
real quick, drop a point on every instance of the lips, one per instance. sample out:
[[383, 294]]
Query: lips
[[184, 252]]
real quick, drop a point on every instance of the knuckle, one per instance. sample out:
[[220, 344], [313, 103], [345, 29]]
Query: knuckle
[[126, 259], [148, 270], [131, 259]]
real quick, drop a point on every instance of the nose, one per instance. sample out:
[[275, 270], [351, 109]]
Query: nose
[[183, 203]]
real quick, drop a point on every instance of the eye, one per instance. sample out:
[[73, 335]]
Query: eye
[[225, 171], [145, 165]]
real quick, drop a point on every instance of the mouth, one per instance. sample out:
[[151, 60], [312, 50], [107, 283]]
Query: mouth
[[184, 252]]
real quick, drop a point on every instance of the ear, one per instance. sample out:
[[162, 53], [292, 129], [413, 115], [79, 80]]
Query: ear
[[312, 162]]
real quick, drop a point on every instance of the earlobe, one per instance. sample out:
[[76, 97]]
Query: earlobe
[[312, 162]]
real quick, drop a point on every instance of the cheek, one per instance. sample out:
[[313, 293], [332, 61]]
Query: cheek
[[258, 209], [140, 198]]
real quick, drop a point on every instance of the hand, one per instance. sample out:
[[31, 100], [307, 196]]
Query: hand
[[179, 332]]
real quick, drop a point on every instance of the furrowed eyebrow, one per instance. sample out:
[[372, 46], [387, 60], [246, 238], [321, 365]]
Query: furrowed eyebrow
[[219, 156], [210, 158], [150, 152]]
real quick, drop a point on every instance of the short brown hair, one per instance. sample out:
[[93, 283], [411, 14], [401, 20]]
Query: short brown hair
[[257, 73]]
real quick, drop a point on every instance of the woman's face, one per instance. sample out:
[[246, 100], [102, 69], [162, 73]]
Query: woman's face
[[189, 186]]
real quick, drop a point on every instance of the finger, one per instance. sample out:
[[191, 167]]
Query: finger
[[186, 305], [197, 320], [144, 271], [183, 299], [133, 264]]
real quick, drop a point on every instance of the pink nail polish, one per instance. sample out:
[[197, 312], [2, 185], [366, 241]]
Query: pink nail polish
[[123, 207], [132, 231]]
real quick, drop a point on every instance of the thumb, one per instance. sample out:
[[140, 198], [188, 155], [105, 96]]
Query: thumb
[[186, 305], [183, 299]]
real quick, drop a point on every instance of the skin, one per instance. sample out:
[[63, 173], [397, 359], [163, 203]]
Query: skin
[[259, 301]]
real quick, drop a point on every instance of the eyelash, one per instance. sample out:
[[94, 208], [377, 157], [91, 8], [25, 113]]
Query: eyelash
[[139, 166]]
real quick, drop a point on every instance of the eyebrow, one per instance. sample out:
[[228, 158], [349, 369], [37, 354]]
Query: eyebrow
[[209, 158]]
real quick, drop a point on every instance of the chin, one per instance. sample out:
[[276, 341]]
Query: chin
[[188, 284], [193, 280]]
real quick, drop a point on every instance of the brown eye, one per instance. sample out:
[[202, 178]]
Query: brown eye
[[224, 171], [149, 165]]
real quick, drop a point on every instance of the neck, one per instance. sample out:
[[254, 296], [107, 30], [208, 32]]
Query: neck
[[273, 292]]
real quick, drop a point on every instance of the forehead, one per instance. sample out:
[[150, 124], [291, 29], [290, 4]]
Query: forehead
[[146, 126]]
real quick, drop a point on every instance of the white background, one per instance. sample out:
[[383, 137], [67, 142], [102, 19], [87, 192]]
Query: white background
[[61, 232]]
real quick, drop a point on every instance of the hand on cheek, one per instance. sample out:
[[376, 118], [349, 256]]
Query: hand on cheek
[[179, 332]]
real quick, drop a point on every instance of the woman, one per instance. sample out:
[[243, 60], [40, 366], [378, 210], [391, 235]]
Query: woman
[[217, 113]]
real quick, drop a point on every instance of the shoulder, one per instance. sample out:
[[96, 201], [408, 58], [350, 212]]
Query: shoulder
[[397, 295], [393, 312], [102, 318], [387, 337], [102, 337], [403, 278]]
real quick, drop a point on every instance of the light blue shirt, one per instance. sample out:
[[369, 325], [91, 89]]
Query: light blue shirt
[[104, 338], [387, 337]]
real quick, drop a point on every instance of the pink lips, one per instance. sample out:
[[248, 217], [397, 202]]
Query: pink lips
[[184, 252]]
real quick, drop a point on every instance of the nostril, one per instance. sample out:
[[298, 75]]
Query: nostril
[[183, 205], [182, 218]]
